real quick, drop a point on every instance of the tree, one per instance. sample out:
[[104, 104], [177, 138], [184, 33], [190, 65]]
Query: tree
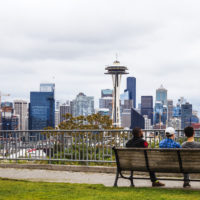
[[94, 121]]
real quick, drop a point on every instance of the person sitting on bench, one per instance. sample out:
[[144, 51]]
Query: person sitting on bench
[[138, 142], [169, 141], [190, 143]]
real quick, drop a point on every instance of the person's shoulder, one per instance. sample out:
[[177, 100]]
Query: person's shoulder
[[163, 140], [197, 144], [184, 144], [129, 143], [177, 144]]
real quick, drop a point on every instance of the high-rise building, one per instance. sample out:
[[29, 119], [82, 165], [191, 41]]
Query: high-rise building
[[57, 118], [131, 88], [106, 100], [186, 115], [41, 110], [170, 108], [21, 109], [64, 109], [47, 87], [125, 109], [106, 93], [126, 118], [164, 115], [158, 113], [161, 95], [147, 107], [9, 120], [137, 120], [147, 123], [83, 105]]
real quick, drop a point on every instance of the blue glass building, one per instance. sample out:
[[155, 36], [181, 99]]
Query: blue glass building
[[41, 110], [177, 111], [131, 88], [161, 95], [158, 112]]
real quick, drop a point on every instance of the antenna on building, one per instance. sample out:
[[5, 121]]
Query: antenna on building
[[117, 55], [53, 78]]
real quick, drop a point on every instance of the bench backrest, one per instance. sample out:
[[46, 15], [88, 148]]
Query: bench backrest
[[158, 160]]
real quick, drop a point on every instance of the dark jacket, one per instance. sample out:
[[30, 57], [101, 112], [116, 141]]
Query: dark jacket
[[137, 142]]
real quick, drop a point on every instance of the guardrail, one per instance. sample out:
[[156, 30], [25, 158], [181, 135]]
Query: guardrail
[[71, 145]]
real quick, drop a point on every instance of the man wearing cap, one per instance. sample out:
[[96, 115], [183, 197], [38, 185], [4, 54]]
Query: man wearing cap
[[169, 142]]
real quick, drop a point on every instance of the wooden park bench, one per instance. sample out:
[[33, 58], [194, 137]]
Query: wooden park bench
[[156, 160]]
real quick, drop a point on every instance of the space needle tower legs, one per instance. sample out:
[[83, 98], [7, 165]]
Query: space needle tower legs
[[116, 70]]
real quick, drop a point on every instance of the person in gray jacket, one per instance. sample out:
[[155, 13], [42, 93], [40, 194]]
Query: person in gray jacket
[[190, 143]]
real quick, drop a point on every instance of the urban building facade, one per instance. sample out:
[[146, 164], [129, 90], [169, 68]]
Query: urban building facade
[[82, 105], [161, 95], [41, 110], [9, 120], [21, 109], [186, 115], [131, 88], [147, 107], [64, 109]]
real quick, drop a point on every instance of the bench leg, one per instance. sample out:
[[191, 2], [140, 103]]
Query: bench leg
[[116, 179], [131, 179]]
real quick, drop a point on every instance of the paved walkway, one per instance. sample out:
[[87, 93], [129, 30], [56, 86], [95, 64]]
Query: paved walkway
[[80, 177]]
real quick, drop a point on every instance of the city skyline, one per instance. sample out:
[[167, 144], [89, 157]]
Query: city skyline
[[76, 43]]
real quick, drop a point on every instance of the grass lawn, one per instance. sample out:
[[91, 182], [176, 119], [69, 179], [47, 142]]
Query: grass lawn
[[11, 189]]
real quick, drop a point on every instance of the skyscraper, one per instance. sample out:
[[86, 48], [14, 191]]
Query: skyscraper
[[186, 115], [64, 109], [82, 105], [161, 95], [131, 88], [158, 112], [170, 108], [9, 120], [106, 100], [47, 87], [21, 109], [41, 110], [147, 107], [106, 93]]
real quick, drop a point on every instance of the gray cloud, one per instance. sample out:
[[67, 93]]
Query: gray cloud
[[74, 40]]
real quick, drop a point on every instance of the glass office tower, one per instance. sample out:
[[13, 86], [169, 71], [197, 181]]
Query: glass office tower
[[41, 110], [161, 95], [131, 88]]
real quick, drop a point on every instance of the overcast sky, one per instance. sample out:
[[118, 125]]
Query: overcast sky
[[70, 42]]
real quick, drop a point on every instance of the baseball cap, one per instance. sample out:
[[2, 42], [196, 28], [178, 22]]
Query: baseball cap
[[169, 131]]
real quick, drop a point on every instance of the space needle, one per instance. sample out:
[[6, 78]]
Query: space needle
[[116, 70]]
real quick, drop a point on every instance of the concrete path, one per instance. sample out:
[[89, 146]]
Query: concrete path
[[80, 177]]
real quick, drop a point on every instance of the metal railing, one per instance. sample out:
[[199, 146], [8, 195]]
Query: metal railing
[[72, 145]]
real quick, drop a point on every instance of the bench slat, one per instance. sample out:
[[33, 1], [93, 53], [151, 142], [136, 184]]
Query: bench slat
[[132, 160], [190, 161], [162, 161]]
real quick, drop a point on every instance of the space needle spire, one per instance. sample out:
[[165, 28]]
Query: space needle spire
[[116, 70]]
